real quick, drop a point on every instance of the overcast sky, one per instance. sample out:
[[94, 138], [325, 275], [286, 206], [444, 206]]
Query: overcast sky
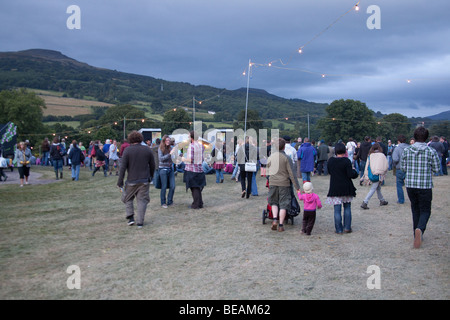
[[210, 42]]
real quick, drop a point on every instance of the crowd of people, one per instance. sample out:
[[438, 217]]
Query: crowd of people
[[281, 161]]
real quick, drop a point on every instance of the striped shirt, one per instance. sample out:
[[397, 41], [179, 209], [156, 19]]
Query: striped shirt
[[419, 162]]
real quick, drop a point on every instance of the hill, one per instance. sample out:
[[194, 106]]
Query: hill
[[441, 116], [51, 70]]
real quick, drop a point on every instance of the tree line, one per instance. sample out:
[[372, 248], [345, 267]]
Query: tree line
[[343, 119]]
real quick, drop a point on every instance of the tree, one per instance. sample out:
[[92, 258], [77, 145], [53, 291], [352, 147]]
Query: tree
[[392, 125], [253, 120], [345, 119], [23, 108], [157, 106], [441, 129], [175, 119]]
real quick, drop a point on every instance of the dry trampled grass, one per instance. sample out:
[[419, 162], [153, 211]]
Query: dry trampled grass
[[220, 252]]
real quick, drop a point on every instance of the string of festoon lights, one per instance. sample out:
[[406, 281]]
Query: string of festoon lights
[[280, 64], [300, 49]]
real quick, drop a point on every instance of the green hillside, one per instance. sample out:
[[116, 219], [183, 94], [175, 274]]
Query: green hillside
[[51, 70]]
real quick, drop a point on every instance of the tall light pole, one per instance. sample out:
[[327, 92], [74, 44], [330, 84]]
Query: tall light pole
[[246, 100], [193, 108]]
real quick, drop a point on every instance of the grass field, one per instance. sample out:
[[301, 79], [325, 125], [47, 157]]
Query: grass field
[[220, 252]]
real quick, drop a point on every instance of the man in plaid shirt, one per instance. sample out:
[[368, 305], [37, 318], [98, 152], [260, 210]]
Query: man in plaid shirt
[[419, 162]]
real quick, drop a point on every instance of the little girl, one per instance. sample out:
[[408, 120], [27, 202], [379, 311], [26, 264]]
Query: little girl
[[311, 203]]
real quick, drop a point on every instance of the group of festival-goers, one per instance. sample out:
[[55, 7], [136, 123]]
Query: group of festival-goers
[[139, 164]]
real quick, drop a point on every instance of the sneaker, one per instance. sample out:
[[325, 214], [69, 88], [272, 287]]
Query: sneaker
[[364, 206], [417, 238], [383, 203], [130, 221], [139, 226], [164, 206]]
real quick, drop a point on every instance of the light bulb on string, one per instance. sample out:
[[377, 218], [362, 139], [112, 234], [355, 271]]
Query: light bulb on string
[[300, 50]]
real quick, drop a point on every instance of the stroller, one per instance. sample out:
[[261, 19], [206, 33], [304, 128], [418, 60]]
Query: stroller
[[292, 212]]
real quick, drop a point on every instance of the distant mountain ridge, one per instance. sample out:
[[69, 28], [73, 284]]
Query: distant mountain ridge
[[441, 116], [52, 70]]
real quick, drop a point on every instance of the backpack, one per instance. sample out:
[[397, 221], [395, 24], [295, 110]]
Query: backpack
[[372, 177]]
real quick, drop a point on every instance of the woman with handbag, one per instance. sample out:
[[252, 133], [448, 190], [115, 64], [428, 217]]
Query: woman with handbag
[[247, 159], [166, 171], [375, 171], [23, 156]]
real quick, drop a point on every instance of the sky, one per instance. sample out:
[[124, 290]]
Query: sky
[[392, 55]]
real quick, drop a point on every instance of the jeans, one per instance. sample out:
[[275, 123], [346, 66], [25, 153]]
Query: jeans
[[347, 217], [420, 207], [254, 186], [306, 176], [376, 186], [350, 155], [441, 172], [389, 159], [167, 181], [400, 183], [219, 175], [58, 164], [75, 171], [235, 171], [362, 167], [45, 158]]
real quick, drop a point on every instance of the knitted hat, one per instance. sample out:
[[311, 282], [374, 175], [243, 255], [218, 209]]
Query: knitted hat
[[308, 187]]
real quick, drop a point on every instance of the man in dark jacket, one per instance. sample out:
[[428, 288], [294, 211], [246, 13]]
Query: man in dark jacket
[[362, 154], [306, 154], [444, 156], [75, 155], [322, 158], [139, 162], [440, 149]]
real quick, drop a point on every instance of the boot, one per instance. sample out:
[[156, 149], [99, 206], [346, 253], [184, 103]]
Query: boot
[[56, 173], [61, 175]]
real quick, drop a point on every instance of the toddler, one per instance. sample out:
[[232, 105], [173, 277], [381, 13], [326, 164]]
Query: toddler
[[311, 203]]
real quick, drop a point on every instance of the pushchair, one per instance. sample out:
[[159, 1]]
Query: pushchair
[[292, 212]]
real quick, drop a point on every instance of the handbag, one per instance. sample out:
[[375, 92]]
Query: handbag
[[372, 177], [250, 167]]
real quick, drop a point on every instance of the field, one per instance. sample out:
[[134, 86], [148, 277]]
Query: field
[[223, 251], [60, 106]]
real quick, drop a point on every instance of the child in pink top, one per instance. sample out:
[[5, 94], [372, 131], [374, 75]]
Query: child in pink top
[[311, 203]]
